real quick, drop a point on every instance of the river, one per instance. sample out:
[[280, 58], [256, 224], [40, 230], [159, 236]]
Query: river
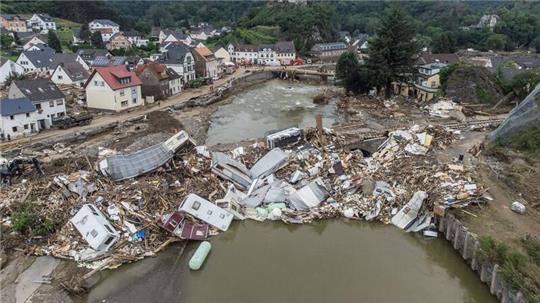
[[330, 261]]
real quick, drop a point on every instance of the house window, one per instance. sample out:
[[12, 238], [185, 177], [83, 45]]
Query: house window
[[14, 129], [94, 233], [26, 126], [60, 77], [12, 117], [124, 103], [209, 212], [38, 106], [27, 115], [134, 94], [51, 103], [109, 240], [59, 102], [196, 205], [122, 93]]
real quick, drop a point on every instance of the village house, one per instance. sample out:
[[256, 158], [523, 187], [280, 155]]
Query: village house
[[135, 38], [280, 53], [156, 80], [426, 86], [179, 58], [13, 23], [104, 61], [42, 22], [428, 57], [206, 64], [71, 73], [37, 47], [113, 88], [90, 54], [222, 55], [9, 69], [168, 35], [37, 60], [328, 51], [76, 36], [66, 58], [46, 97], [17, 118], [118, 41], [106, 27], [32, 42]]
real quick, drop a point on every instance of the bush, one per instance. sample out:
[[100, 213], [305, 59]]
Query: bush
[[27, 220], [527, 141]]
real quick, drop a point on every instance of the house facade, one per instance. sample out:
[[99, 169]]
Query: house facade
[[155, 79], [135, 38], [119, 41], [206, 64], [89, 55], [106, 27], [9, 68], [179, 58], [280, 53], [13, 23], [48, 100], [328, 51], [42, 22], [72, 73], [33, 42], [426, 85], [113, 88], [17, 118]]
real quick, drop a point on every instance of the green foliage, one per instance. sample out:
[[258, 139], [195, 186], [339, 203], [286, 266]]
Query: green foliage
[[527, 141], [143, 27], [26, 220], [97, 40], [85, 32], [524, 83], [445, 74], [444, 43], [6, 41], [347, 64], [532, 247], [483, 96], [54, 42], [242, 36], [516, 269], [391, 51], [537, 45], [160, 16], [496, 42]]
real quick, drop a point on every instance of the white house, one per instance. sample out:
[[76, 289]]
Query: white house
[[174, 36], [267, 55], [106, 27], [280, 53], [17, 118], [179, 58], [32, 42], [70, 74], [37, 60], [175, 82], [9, 68], [42, 22], [66, 58], [95, 228], [113, 88], [206, 211], [222, 55], [47, 98], [243, 54], [135, 38]]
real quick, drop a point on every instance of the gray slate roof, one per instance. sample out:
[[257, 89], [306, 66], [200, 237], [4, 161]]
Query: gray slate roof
[[62, 58], [329, 46], [45, 17], [75, 71], [39, 90], [40, 58], [89, 54], [285, 47], [10, 107], [172, 74], [175, 54]]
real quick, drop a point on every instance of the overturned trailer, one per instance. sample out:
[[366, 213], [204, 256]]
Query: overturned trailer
[[120, 167]]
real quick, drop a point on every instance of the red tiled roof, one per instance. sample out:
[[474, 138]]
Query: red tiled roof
[[112, 75], [105, 30], [156, 68]]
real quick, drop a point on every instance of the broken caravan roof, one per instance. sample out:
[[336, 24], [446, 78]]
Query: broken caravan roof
[[120, 167], [206, 211], [269, 163], [230, 169]]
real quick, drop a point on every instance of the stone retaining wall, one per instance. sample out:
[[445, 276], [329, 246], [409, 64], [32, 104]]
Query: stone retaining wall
[[466, 243]]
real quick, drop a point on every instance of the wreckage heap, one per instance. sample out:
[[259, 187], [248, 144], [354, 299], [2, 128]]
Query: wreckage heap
[[297, 181]]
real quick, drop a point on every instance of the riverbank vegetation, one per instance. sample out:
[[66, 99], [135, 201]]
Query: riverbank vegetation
[[521, 270]]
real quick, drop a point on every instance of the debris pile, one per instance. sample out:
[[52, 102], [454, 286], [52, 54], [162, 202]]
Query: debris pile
[[132, 206]]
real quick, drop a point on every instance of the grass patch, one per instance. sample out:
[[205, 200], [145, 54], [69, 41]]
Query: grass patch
[[64, 23], [27, 220], [520, 271]]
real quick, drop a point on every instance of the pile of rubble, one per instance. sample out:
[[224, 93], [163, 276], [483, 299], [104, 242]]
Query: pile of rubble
[[132, 205]]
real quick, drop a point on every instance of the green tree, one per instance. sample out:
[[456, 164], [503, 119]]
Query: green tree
[[96, 40], [444, 43], [496, 42], [346, 66], [391, 52], [143, 27], [6, 41], [85, 32], [537, 45], [54, 42]]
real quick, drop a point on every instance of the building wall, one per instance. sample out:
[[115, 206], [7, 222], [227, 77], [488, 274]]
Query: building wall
[[25, 125], [103, 97], [37, 23], [15, 25], [223, 54], [8, 69], [175, 86], [59, 76], [46, 109]]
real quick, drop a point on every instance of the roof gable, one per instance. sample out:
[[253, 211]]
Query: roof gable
[[9, 107], [117, 77], [39, 89]]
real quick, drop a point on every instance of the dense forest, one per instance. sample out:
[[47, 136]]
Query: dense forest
[[442, 25]]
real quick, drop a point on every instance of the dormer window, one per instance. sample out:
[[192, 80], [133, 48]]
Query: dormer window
[[125, 80]]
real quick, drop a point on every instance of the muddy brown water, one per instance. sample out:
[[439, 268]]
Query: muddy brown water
[[330, 261], [327, 261]]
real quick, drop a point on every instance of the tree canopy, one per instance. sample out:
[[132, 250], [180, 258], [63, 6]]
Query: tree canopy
[[97, 40], [54, 42]]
